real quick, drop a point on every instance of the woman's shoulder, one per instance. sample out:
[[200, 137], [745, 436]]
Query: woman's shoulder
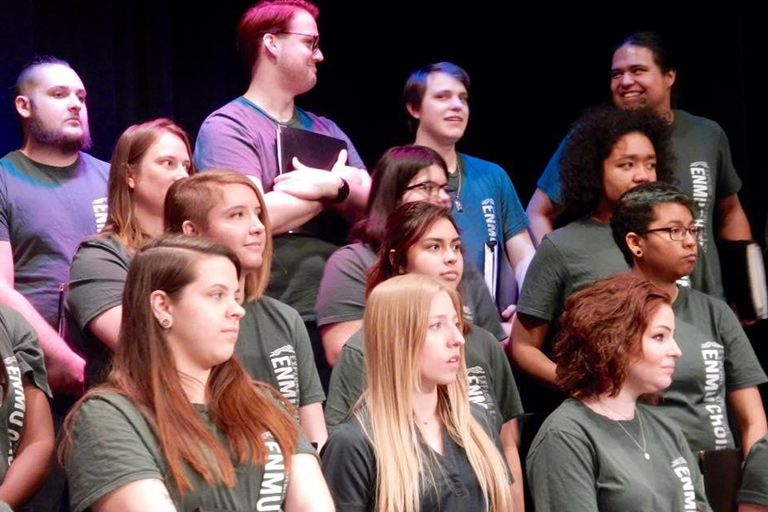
[[350, 438]]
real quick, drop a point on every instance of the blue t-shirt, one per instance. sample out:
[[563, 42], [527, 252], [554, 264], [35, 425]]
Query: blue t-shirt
[[490, 212], [45, 212]]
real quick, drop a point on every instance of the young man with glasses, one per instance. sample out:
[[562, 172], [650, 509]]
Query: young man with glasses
[[279, 43], [485, 204]]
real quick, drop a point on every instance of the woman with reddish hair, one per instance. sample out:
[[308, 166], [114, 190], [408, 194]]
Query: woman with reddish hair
[[604, 449], [180, 425]]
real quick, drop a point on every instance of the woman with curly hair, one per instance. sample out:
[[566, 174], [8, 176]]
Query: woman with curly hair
[[608, 152], [603, 449], [715, 386], [179, 425], [414, 442]]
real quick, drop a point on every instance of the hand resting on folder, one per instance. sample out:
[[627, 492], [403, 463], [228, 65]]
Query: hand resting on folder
[[313, 184]]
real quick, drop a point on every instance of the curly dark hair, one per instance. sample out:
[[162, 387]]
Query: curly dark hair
[[600, 333], [591, 142], [635, 211]]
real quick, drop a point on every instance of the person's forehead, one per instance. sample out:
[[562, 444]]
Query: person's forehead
[[303, 22], [57, 75], [439, 81], [630, 55]]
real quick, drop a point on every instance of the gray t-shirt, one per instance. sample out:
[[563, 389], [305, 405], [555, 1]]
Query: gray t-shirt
[[242, 137], [581, 460], [96, 282], [489, 377], [568, 258], [341, 297], [273, 346], [114, 445], [349, 465], [703, 169], [754, 480], [717, 358], [45, 212], [23, 357]]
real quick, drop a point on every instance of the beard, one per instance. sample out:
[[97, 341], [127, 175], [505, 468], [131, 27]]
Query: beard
[[67, 143]]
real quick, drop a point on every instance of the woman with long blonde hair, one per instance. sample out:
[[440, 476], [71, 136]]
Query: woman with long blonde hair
[[413, 441]]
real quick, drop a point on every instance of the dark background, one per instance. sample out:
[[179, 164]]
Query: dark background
[[533, 71]]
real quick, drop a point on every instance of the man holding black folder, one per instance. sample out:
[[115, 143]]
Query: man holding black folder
[[310, 207]]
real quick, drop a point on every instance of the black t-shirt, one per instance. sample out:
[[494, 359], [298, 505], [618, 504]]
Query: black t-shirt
[[349, 465]]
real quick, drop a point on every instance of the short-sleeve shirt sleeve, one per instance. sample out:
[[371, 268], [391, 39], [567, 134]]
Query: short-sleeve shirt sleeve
[[347, 381], [349, 466], [341, 297], [754, 482], [26, 348], [549, 182], [97, 278], [728, 181], [102, 432], [542, 293]]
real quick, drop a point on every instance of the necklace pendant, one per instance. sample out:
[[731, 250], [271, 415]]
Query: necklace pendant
[[457, 204], [647, 457]]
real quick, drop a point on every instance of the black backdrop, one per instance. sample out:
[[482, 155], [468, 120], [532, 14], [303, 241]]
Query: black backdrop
[[533, 70]]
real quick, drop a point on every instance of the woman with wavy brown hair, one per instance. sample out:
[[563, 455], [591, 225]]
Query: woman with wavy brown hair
[[179, 425], [414, 442], [603, 449], [147, 159]]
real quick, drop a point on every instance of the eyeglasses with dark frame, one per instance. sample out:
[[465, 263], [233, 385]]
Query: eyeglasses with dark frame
[[677, 233], [432, 189], [314, 45]]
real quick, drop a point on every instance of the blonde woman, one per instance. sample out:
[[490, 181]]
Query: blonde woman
[[413, 442]]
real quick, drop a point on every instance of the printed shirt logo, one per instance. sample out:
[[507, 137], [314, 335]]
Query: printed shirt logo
[[15, 405], [479, 389], [285, 369], [489, 213], [274, 482], [100, 212], [701, 179], [681, 470], [714, 392]]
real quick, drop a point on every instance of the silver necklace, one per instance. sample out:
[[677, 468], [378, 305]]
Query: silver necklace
[[456, 201], [642, 431]]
